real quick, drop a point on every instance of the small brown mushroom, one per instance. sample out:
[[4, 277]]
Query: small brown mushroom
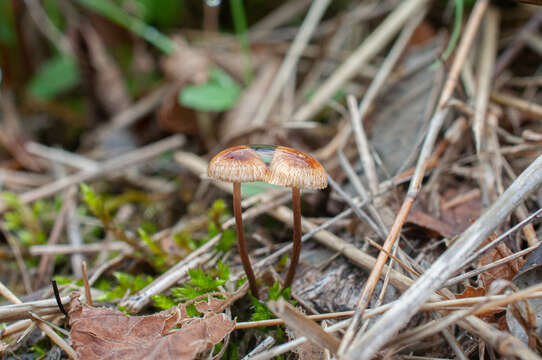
[[277, 165], [295, 169], [239, 164]]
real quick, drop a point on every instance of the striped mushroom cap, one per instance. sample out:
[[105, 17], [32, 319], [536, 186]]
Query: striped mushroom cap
[[238, 164], [293, 168]]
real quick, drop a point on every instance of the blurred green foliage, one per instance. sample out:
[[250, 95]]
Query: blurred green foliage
[[220, 93], [56, 76]]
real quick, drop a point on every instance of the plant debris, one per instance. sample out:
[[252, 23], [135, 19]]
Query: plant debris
[[102, 333]]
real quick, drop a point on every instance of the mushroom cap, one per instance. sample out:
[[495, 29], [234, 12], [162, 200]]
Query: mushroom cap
[[238, 164], [293, 168]]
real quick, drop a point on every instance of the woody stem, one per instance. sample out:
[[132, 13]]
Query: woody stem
[[241, 242], [296, 209]]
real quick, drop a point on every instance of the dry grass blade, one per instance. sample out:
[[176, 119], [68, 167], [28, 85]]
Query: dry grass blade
[[4, 291], [304, 325], [520, 104], [447, 263], [415, 184], [378, 39], [485, 71], [309, 25], [118, 163]]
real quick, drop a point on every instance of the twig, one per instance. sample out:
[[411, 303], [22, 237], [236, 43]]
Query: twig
[[35, 250], [307, 28], [61, 156], [264, 345], [278, 17], [430, 328], [22, 178], [16, 250], [489, 266], [14, 312], [415, 184], [485, 70], [273, 322], [281, 349], [88, 293], [44, 327], [74, 235], [360, 213], [360, 189], [46, 26], [462, 51], [447, 264], [118, 163], [304, 325], [516, 44], [520, 104], [378, 39], [45, 266], [361, 141], [395, 230], [359, 114], [137, 110], [501, 237]]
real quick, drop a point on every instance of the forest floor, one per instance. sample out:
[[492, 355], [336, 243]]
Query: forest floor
[[117, 243]]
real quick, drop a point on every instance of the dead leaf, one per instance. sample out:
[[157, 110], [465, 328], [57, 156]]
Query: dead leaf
[[102, 333], [429, 222], [308, 351], [212, 304], [505, 272], [454, 219], [463, 214], [471, 291]]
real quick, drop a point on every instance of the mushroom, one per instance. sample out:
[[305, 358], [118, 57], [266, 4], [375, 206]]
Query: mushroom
[[295, 169], [237, 165], [277, 165]]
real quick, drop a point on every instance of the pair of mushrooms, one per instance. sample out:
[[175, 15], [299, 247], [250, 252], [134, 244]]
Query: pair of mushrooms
[[276, 165]]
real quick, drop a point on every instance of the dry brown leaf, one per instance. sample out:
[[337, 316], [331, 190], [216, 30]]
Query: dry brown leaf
[[101, 333], [462, 215], [471, 291], [453, 220], [505, 272], [211, 305], [429, 222]]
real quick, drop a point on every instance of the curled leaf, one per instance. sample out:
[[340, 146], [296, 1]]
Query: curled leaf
[[102, 333]]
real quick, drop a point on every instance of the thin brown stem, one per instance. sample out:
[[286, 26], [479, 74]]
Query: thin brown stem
[[296, 209], [241, 242]]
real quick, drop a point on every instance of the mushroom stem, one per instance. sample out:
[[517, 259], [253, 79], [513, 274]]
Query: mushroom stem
[[296, 209], [241, 242]]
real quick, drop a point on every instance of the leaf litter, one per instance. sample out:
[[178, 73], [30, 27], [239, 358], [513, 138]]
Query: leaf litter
[[99, 333], [206, 99]]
